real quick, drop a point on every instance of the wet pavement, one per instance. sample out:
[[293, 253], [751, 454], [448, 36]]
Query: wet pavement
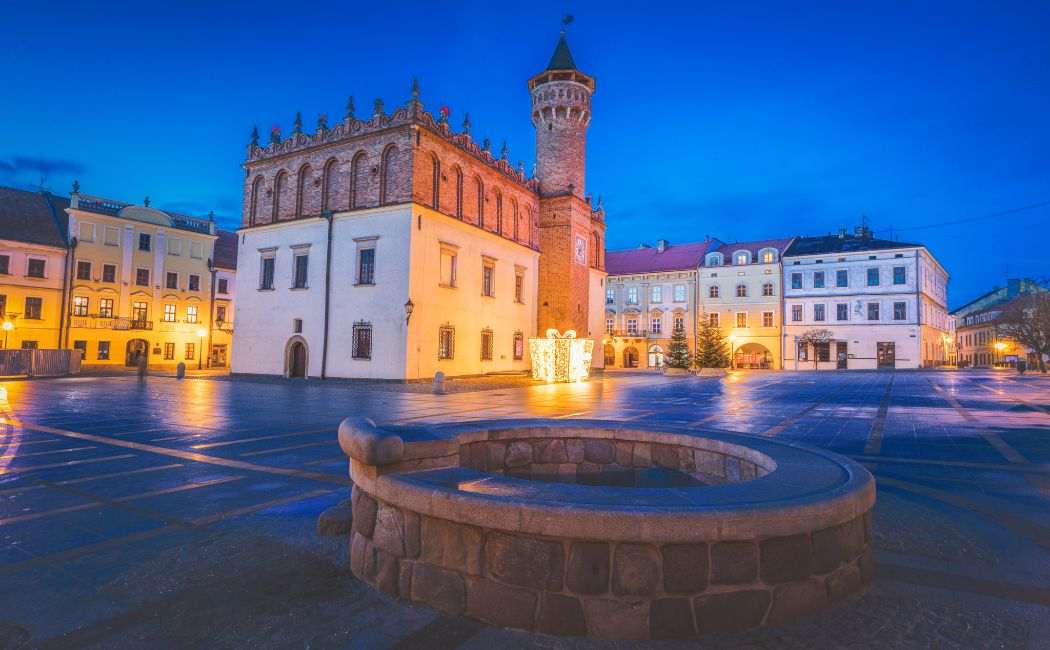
[[183, 513]]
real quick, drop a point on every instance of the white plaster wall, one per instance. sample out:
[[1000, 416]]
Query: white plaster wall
[[596, 316]]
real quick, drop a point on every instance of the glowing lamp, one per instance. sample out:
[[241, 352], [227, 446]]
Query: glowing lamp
[[999, 345], [201, 332]]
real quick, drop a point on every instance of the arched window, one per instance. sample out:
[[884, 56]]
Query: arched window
[[301, 189], [514, 215], [328, 181], [457, 175], [713, 291], [386, 175], [280, 185], [742, 257], [357, 180], [768, 255], [435, 199], [530, 231], [479, 188], [741, 291], [596, 253], [499, 212], [253, 207]]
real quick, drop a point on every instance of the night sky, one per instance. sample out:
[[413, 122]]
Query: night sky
[[735, 120]]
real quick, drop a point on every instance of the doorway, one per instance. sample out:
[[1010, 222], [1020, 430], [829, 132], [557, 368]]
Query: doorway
[[137, 349], [297, 359], [610, 356], [841, 355], [886, 354], [656, 357], [218, 356], [630, 358]]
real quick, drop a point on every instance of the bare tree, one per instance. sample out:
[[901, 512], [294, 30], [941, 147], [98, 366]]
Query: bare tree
[[815, 337], [1026, 319]]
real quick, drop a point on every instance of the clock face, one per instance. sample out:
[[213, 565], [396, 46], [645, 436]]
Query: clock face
[[581, 250]]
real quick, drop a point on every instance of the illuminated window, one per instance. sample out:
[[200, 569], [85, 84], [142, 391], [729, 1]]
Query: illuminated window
[[191, 313], [632, 295], [609, 325], [446, 342], [632, 326], [656, 325], [657, 294], [169, 351], [169, 313], [767, 319], [679, 293], [712, 319], [80, 305], [191, 351], [741, 319], [610, 296], [519, 346], [105, 308]]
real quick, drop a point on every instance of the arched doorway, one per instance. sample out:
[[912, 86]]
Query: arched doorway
[[752, 355], [137, 349], [656, 356], [630, 357], [610, 356], [295, 358]]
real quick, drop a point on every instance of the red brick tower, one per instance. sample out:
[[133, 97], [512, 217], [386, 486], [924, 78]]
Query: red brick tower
[[571, 233]]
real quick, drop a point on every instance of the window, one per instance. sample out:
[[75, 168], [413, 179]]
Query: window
[[297, 325], [712, 292], [842, 311], [191, 313], [174, 248], [768, 257], [823, 350], [103, 351], [899, 275], [34, 307], [679, 293], [656, 325], [5, 264], [366, 266], [632, 326], [842, 278], [679, 322], [191, 352], [873, 311], [144, 241], [712, 319], [448, 268], [35, 268], [741, 258], [610, 324], [139, 313], [632, 295], [196, 250], [194, 283], [172, 280], [80, 305], [266, 273], [519, 287], [169, 351], [142, 277], [29, 345], [900, 311], [796, 313], [3, 304], [83, 270], [87, 232], [767, 319], [519, 346], [220, 314], [741, 319], [741, 291], [818, 312], [361, 347], [796, 280], [446, 342], [486, 345], [109, 272], [818, 280], [873, 277], [610, 296], [803, 351], [656, 294], [105, 308], [112, 238], [299, 267], [224, 286], [767, 289], [488, 279]]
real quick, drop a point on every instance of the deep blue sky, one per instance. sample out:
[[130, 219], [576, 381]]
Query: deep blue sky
[[733, 119]]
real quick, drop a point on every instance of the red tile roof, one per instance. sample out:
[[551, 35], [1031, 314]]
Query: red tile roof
[[675, 257]]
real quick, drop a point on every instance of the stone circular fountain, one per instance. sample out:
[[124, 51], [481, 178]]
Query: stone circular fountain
[[606, 529]]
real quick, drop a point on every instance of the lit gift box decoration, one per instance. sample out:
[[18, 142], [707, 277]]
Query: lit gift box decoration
[[560, 357]]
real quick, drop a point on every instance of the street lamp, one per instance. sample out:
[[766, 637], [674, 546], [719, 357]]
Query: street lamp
[[999, 347], [201, 332], [8, 326], [732, 351], [408, 311]]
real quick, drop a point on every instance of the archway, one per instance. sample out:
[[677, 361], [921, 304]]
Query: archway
[[137, 349], [295, 358], [630, 357], [610, 356], [656, 356], [752, 355]]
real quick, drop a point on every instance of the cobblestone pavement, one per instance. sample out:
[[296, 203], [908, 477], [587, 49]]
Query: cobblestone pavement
[[183, 513]]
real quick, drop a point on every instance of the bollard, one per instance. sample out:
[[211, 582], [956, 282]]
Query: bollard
[[439, 383], [180, 370], [142, 368]]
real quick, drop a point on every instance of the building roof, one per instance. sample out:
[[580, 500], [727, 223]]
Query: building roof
[[673, 257], [562, 57], [226, 250], [33, 217], [143, 213], [753, 246], [843, 243]]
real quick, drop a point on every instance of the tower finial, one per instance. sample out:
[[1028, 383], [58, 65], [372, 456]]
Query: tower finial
[[350, 107], [378, 106], [297, 127], [486, 145], [565, 20], [211, 215], [145, 201], [322, 121], [415, 89], [466, 123], [76, 186], [255, 135], [504, 151]]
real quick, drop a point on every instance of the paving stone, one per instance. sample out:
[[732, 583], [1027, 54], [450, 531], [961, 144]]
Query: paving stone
[[443, 590], [636, 570], [560, 615], [364, 512], [616, 619], [731, 611], [671, 618], [684, 568], [499, 604], [598, 451], [734, 563], [784, 559], [524, 561], [452, 546], [588, 568], [794, 600]]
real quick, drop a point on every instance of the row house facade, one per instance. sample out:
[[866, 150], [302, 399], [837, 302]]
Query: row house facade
[[978, 341], [880, 303]]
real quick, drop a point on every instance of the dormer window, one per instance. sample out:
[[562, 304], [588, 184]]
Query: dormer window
[[742, 257], [714, 259], [768, 256]]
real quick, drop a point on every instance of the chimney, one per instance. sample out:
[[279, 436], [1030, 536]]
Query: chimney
[[661, 245], [644, 245], [863, 232], [842, 233]]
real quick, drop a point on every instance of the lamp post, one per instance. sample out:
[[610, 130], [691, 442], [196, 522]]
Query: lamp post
[[732, 351], [999, 347], [408, 311], [8, 326], [201, 332]]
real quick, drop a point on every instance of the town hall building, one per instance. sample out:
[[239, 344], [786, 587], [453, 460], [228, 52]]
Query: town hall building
[[391, 246]]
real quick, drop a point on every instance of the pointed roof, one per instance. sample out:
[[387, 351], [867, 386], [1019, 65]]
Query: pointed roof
[[562, 57]]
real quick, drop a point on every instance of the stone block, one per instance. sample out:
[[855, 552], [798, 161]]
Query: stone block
[[794, 600], [499, 604], [684, 568], [710, 462], [387, 573], [335, 521], [636, 570], [843, 582], [519, 454], [441, 589], [561, 616], [588, 568], [734, 563], [544, 469], [358, 545], [525, 561], [867, 526], [617, 619], [404, 580], [732, 469], [550, 451], [389, 532], [598, 451], [412, 534], [785, 558], [451, 546], [686, 460], [575, 450], [838, 544], [665, 456], [479, 457], [495, 455], [642, 455], [747, 471], [364, 507], [671, 618], [624, 453], [588, 468], [731, 611]]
